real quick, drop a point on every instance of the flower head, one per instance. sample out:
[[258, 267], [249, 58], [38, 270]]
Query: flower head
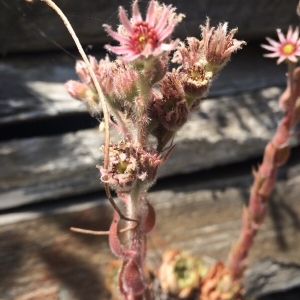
[[169, 107], [144, 38], [195, 78], [218, 45], [288, 48]]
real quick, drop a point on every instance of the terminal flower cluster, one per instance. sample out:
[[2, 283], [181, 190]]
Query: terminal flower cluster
[[146, 99]]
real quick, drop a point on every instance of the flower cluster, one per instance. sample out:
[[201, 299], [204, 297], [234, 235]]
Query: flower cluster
[[128, 164], [144, 99]]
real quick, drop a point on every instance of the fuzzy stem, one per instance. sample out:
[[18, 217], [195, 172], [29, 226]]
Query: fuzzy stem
[[136, 238], [122, 126], [142, 117]]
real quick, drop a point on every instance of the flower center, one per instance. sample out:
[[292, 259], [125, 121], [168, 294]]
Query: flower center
[[288, 49], [143, 35]]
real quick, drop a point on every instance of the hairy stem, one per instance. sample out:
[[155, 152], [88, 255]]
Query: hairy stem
[[142, 117]]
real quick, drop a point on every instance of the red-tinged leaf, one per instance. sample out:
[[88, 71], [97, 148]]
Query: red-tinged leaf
[[116, 247], [282, 155], [133, 280], [149, 220]]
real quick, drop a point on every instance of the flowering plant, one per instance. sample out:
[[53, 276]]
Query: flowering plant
[[140, 97], [144, 99]]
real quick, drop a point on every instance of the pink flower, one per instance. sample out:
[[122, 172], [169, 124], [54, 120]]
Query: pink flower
[[287, 48], [144, 38]]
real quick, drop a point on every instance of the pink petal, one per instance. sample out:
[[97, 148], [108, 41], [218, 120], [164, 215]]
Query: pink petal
[[166, 32], [124, 20], [163, 20], [169, 47], [282, 38], [131, 56], [268, 47], [281, 59], [135, 12], [233, 48], [116, 36], [147, 51], [292, 58], [150, 18], [295, 35], [273, 42], [289, 33], [119, 49], [272, 55], [224, 27]]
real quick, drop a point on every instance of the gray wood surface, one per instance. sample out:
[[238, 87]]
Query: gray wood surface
[[32, 86], [228, 129], [42, 259], [231, 126], [35, 27]]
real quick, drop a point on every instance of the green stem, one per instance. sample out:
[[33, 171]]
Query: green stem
[[144, 88]]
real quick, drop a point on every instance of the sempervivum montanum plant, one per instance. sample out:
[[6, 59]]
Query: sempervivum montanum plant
[[140, 97], [144, 98]]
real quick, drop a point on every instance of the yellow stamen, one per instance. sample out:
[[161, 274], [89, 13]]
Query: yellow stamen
[[288, 49], [142, 38]]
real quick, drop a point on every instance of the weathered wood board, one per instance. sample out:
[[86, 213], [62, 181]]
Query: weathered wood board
[[35, 27], [226, 130], [231, 126], [42, 259], [32, 86]]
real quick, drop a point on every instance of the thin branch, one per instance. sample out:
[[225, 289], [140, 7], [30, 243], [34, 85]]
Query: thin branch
[[85, 231], [94, 232], [101, 98], [92, 74]]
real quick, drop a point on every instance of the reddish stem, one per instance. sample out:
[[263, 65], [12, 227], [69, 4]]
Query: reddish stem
[[275, 155]]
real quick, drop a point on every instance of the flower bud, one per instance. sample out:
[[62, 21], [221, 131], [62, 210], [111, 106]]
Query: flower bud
[[76, 89], [122, 171], [124, 81], [218, 45], [169, 108], [159, 68]]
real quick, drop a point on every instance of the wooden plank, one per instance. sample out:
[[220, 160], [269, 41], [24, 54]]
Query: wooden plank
[[41, 256], [228, 129], [32, 86], [35, 27]]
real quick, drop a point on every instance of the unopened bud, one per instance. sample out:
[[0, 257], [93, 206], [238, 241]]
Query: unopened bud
[[218, 45], [76, 89]]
